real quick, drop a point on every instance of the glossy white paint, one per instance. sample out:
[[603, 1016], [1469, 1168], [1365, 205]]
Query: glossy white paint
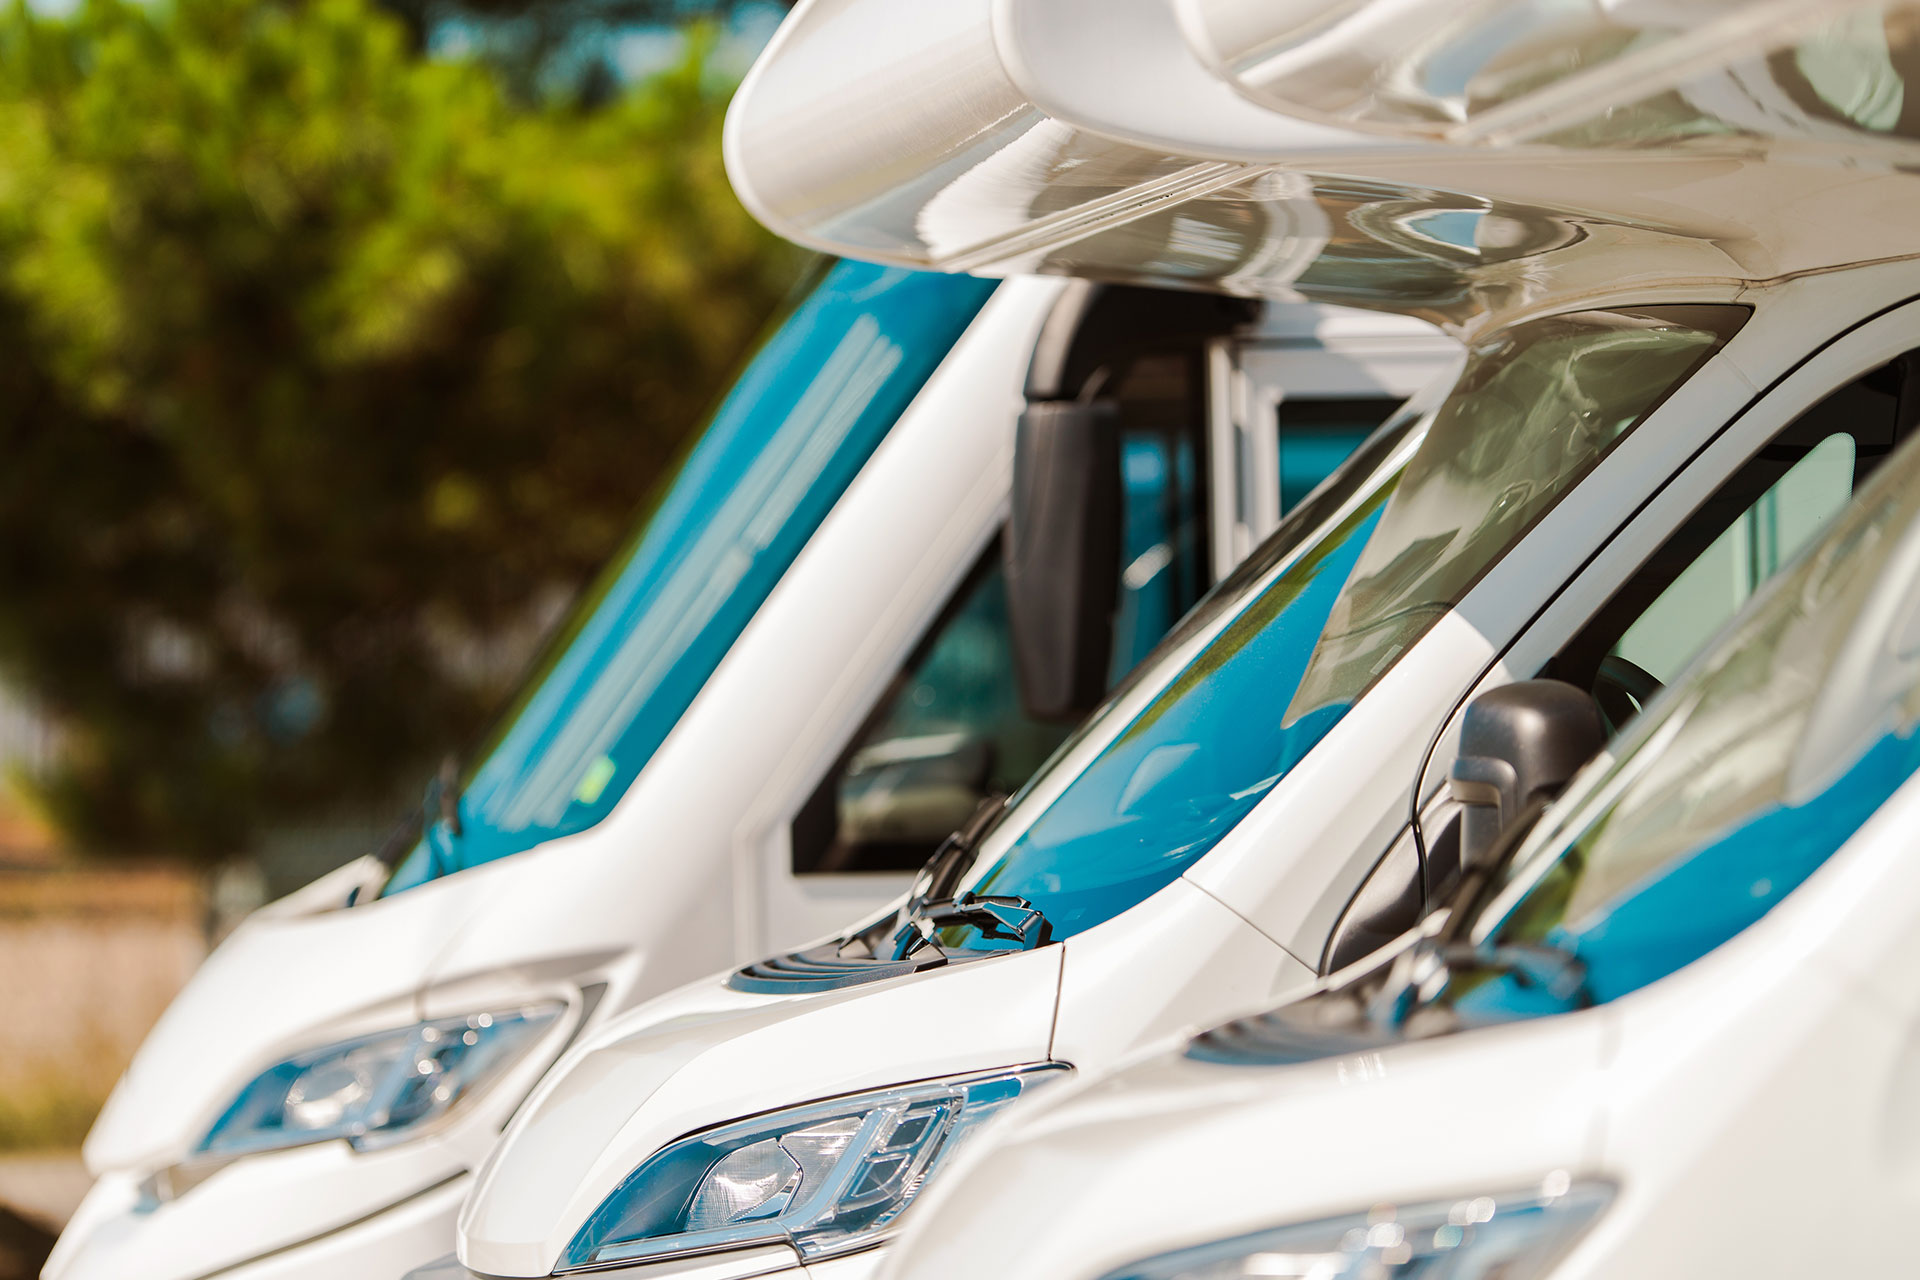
[[1113, 67], [1256, 912], [1754, 1109], [1442, 71], [966, 168], [1017, 136], [711, 1053], [601, 909], [689, 873]]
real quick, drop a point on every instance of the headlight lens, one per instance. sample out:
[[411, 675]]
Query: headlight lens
[[827, 1178], [1508, 1237], [378, 1088]]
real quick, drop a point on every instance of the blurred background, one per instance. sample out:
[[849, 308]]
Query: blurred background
[[340, 342]]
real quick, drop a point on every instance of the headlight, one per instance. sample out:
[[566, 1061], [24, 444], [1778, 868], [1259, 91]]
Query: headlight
[[1509, 1237], [827, 1177], [376, 1089]]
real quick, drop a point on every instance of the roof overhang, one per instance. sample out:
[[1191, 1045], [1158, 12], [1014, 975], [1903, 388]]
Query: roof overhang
[[1085, 137], [1726, 76]]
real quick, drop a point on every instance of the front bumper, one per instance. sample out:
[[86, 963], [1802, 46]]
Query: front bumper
[[378, 1246], [754, 1264]]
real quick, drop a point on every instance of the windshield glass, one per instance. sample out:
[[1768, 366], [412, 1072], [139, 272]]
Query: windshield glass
[[1403, 539], [1747, 775], [784, 445]]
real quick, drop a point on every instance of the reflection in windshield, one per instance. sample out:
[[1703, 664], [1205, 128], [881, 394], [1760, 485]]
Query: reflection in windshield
[[1534, 409], [1745, 776], [797, 427]]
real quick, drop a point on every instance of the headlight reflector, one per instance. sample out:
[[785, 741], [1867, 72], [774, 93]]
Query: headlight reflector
[[1507, 1237], [375, 1089], [827, 1177]]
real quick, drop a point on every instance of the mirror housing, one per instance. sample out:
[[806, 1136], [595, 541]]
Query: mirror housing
[[1518, 743], [1063, 540], [1062, 552]]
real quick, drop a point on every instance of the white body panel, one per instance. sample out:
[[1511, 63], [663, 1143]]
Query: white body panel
[[689, 873], [1254, 914], [1087, 61], [1024, 136], [1694, 1096]]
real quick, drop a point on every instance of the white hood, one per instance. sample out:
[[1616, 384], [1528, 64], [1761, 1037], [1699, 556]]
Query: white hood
[[710, 1054], [1162, 1154], [302, 971]]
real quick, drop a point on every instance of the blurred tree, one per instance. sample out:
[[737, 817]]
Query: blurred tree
[[576, 50], [323, 367]]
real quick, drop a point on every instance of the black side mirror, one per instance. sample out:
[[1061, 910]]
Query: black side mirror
[[1519, 743], [1062, 553]]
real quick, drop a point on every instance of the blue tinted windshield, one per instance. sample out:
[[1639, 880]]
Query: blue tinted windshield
[[1195, 761], [1534, 408], [785, 444]]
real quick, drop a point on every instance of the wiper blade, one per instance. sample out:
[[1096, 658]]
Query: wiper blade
[[1002, 918], [440, 817], [439, 807], [941, 872]]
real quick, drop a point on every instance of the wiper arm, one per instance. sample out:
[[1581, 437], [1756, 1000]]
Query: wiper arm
[[1421, 977], [1557, 971], [1009, 918], [440, 811], [942, 871]]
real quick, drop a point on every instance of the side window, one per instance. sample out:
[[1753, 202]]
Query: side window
[[1163, 543], [1760, 539], [1317, 434], [948, 731], [1752, 525], [951, 729]]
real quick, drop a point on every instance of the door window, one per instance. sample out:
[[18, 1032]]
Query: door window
[[950, 728], [1163, 547], [1739, 538], [1761, 539], [949, 731], [1317, 435]]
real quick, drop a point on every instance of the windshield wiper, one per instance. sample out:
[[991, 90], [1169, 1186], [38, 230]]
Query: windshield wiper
[[932, 904], [440, 812], [1004, 918], [1556, 971], [941, 872], [1410, 1000]]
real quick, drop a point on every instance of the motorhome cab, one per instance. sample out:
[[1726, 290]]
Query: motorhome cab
[[804, 672], [1668, 1029], [1672, 1028], [1673, 379]]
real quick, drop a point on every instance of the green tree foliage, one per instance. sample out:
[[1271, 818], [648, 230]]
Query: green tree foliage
[[319, 365], [564, 49]]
